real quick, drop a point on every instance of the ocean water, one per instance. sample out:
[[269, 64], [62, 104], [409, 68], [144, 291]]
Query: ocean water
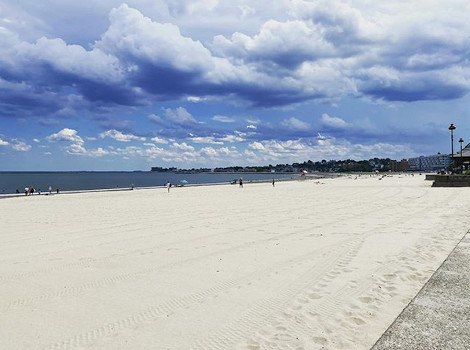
[[72, 181]]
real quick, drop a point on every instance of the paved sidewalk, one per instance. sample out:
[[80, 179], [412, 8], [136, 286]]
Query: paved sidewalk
[[439, 316]]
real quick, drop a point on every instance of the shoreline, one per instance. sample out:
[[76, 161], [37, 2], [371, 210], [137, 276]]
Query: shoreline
[[119, 189], [307, 177], [81, 181], [295, 177]]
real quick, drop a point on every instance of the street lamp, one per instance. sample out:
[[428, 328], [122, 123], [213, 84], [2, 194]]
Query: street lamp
[[461, 155], [452, 128]]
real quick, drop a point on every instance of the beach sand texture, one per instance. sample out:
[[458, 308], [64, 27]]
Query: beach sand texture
[[297, 266]]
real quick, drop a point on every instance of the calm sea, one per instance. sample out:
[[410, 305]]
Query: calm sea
[[72, 181]]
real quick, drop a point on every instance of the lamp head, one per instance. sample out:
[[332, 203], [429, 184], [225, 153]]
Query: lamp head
[[452, 127]]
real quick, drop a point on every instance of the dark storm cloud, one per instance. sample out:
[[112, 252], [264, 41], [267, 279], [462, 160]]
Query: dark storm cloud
[[324, 51]]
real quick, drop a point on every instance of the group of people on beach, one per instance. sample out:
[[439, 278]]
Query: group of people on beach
[[29, 191]]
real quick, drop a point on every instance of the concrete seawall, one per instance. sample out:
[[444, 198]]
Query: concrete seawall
[[449, 180]]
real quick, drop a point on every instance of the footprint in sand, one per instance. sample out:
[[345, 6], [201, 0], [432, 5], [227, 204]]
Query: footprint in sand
[[314, 296], [389, 277], [354, 307], [313, 315], [352, 284], [357, 321], [366, 300], [296, 307], [281, 329]]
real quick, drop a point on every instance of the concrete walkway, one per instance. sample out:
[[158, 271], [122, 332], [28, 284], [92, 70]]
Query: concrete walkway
[[439, 316]]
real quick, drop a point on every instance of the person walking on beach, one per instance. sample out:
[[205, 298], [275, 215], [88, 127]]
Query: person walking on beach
[[273, 182], [240, 182], [168, 185], [50, 189]]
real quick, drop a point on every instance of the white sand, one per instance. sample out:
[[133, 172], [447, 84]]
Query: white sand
[[298, 266]]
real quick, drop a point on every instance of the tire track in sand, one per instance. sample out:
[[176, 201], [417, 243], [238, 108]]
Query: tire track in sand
[[266, 311], [313, 312], [122, 278], [335, 253], [89, 262]]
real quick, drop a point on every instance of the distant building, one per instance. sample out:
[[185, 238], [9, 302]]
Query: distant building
[[398, 166], [432, 163], [462, 160]]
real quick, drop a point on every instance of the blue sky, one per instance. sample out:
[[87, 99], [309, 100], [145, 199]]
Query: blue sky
[[108, 85]]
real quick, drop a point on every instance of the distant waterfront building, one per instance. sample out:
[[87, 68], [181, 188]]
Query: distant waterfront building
[[402, 165], [462, 160], [432, 163]]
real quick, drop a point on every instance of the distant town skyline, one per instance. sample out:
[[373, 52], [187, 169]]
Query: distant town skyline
[[115, 85]]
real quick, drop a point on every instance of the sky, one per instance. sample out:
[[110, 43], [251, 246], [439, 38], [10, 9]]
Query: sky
[[111, 85]]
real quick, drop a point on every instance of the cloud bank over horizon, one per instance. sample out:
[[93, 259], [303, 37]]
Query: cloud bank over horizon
[[232, 74]]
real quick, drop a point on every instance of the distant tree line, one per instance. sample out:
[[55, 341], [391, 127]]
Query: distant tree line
[[339, 166], [347, 165]]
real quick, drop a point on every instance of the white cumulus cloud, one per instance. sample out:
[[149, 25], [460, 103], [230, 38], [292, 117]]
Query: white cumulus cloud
[[3, 142], [121, 137], [179, 116], [159, 140], [66, 134], [131, 34], [295, 124], [20, 146], [333, 122], [207, 139]]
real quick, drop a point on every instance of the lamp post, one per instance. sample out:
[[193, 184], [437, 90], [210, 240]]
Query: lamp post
[[452, 128], [461, 155]]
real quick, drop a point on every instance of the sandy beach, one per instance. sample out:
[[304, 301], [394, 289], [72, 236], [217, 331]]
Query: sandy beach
[[302, 265]]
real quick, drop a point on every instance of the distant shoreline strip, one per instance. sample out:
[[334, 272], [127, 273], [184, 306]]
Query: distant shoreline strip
[[118, 189]]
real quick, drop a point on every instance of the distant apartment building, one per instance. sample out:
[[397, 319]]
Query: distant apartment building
[[432, 163], [397, 166]]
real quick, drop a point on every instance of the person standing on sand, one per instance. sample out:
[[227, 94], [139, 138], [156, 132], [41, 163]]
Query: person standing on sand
[[273, 182], [50, 189], [168, 185], [240, 182]]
